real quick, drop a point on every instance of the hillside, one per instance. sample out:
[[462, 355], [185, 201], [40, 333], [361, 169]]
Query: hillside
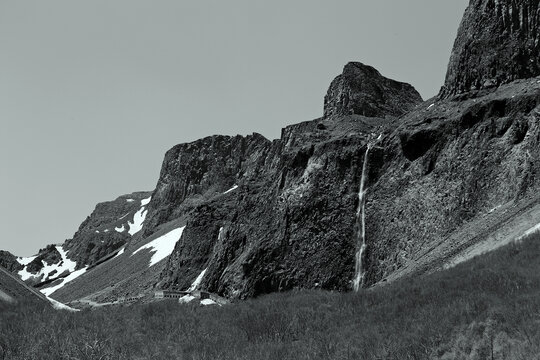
[[13, 290], [486, 308]]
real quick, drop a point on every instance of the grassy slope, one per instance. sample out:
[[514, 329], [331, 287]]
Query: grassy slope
[[487, 308], [17, 290]]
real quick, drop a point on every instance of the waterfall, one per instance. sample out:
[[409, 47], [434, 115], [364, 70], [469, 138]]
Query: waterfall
[[361, 222]]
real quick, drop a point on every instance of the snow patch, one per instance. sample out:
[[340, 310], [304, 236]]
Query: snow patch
[[138, 218], [106, 230], [163, 246], [197, 281], [430, 106], [59, 306], [75, 274], [130, 200], [208, 302], [60, 267], [231, 189], [120, 229], [186, 298], [120, 253], [26, 260]]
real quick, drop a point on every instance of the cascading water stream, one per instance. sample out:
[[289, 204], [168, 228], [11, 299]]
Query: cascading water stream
[[361, 223]]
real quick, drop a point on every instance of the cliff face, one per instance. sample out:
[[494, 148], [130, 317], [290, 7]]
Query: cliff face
[[291, 221], [190, 172], [498, 41], [455, 173], [107, 228]]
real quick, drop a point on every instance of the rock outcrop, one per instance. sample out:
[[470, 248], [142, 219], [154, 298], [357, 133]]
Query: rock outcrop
[[105, 230], [9, 261], [498, 41], [362, 90], [204, 167], [291, 222]]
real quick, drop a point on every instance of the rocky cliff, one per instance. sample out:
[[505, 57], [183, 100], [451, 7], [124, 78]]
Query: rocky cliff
[[291, 222], [108, 228], [362, 90], [9, 261], [498, 41]]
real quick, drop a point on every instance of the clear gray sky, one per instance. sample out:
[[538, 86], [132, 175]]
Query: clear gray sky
[[92, 93]]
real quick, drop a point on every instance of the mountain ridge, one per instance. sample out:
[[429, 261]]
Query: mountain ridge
[[261, 216]]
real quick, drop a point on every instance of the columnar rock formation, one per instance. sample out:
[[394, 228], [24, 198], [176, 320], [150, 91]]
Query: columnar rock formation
[[498, 42]]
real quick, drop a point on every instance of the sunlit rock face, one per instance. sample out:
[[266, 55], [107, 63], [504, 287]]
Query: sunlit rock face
[[498, 41]]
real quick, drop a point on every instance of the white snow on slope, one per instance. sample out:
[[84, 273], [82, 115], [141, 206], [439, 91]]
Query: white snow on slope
[[120, 229], [59, 306], [75, 274], [138, 218], [231, 189], [120, 253], [26, 260], [186, 298], [208, 302], [60, 267], [163, 246], [197, 281], [130, 200]]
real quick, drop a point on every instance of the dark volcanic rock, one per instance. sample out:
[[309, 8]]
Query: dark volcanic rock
[[9, 261], [207, 166], [97, 237], [362, 90], [449, 166], [49, 255], [498, 41], [290, 224]]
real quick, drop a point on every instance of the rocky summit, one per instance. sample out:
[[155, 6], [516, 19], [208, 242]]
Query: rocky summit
[[362, 90], [498, 41], [441, 180]]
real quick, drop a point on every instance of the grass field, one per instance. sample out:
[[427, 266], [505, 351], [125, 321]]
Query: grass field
[[487, 308]]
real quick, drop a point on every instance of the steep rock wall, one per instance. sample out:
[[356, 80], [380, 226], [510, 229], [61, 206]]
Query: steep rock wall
[[498, 41]]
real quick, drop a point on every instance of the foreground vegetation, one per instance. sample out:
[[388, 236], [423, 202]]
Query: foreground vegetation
[[487, 308]]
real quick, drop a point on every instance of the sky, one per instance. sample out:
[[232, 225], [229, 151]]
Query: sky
[[92, 93]]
